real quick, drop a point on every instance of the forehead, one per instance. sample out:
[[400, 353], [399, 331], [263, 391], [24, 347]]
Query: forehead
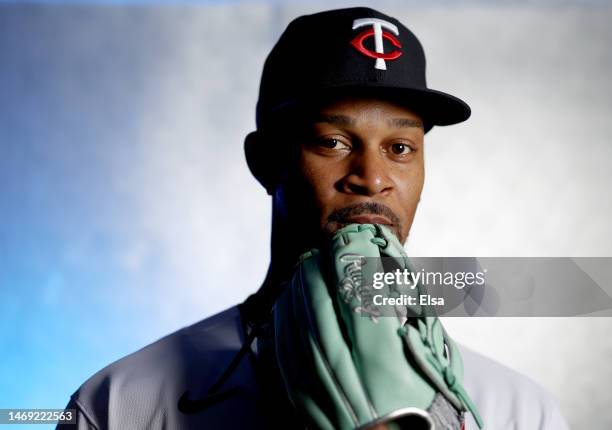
[[364, 112], [355, 110], [347, 111]]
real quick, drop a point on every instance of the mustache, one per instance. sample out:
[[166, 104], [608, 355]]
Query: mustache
[[343, 215]]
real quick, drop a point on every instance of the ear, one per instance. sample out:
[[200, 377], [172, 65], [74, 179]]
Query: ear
[[259, 160]]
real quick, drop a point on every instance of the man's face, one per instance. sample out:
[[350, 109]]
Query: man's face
[[360, 161]]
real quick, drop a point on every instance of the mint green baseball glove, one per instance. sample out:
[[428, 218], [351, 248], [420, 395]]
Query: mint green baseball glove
[[344, 364]]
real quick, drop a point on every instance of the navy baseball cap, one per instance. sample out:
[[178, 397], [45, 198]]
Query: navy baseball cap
[[354, 51]]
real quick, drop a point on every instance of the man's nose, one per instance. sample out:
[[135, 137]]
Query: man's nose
[[368, 174]]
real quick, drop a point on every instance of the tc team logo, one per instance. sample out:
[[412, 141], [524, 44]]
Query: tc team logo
[[377, 30]]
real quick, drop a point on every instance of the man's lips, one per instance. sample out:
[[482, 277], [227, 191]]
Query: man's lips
[[369, 219]]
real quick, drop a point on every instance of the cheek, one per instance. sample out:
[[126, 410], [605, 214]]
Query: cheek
[[409, 185], [408, 180], [320, 178], [418, 181]]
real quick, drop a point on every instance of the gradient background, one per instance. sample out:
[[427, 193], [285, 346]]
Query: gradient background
[[127, 210]]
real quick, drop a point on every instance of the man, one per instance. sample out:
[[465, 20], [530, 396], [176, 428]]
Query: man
[[341, 118]]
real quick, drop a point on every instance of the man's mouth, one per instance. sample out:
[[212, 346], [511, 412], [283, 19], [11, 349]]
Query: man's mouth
[[363, 213], [369, 219]]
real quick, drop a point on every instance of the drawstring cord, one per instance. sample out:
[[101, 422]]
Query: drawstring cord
[[229, 370], [188, 406]]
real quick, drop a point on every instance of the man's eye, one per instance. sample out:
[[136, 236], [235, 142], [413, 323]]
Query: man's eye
[[401, 149], [332, 143]]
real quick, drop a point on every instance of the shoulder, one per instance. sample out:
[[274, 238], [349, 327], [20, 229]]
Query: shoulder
[[506, 399], [141, 390]]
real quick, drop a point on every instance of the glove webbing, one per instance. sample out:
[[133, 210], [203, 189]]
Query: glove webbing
[[448, 374]]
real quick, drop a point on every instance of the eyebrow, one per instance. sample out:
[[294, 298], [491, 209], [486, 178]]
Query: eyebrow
[[335, 119], [405, 122]]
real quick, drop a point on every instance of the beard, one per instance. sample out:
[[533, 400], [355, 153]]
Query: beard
[[342, 217]]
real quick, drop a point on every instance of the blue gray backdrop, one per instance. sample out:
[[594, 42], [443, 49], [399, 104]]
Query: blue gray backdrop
[[127, 210]]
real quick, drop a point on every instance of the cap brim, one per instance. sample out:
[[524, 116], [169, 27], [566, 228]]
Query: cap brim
[[434, 107]]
